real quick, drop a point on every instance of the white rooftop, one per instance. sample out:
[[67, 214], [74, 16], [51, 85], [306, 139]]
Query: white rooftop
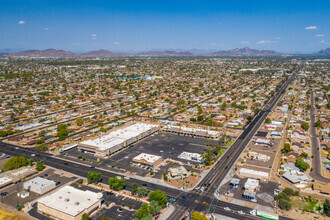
[[70, 200], [147, 157], [254, 172], [119, 136], [38, 183]]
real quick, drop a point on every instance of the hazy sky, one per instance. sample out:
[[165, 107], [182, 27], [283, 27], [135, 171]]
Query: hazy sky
[[287, 26]]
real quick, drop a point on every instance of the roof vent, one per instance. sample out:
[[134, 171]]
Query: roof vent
[[67, 200]]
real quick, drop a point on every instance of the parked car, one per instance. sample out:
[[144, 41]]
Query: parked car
[[254, 200], [119, 210]]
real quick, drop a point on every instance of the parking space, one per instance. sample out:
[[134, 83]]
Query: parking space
[[265, 193], [115, 212], [9, 193], [165, 145], [73, 153]]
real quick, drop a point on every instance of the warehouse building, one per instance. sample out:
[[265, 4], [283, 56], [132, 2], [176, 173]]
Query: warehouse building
[[70, 203], [148, 160], [39, 185], [116, 140]]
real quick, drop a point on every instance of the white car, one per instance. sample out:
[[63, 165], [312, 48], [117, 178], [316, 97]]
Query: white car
[[276, 192], [254, 200], [241, 212], [227, 208], [202, 189], [253, 212], [33, 155], [197, 188], [126, 178]]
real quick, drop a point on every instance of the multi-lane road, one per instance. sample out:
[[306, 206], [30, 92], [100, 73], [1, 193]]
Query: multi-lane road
[[316, 161], [185, 201]]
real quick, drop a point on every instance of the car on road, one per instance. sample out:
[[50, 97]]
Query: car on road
[[66, 164], [144, 184], [183, 197], [33, 155], [254, 200], [92, 166], [241, 212], [16, 148], [227, 208], [76, 165], [120, 210], [197, 188], [38, 155]]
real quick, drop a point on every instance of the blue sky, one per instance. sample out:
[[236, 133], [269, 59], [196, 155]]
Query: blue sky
[[288, 26]]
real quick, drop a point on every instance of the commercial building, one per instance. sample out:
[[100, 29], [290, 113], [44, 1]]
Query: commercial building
[[178, 172], [191, 156], [234, 182], [253, 173], [148, 159], [194, 132], [16, 175], [251, 184], [70, 203], [118, 139], [39, 185]]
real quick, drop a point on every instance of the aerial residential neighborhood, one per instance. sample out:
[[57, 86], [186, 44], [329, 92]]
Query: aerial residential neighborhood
[[164, 110]]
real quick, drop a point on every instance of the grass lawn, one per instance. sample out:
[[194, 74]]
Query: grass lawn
[[230, 142]]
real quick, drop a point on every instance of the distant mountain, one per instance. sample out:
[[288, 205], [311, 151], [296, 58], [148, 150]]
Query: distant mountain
[[102, 53], [43, 53], [166, 53], [325, 52], [247, 52]]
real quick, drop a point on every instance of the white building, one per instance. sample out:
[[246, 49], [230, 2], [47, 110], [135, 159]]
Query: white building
[[191, 156], [39, 185], [70, 203], [118, 139]]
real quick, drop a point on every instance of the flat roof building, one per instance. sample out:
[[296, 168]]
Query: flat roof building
[[191, 156], [178, 172], [195, 132], [118, 139], [69, 203], [148, 159], [253, 173], [39, 185], [251, 184]]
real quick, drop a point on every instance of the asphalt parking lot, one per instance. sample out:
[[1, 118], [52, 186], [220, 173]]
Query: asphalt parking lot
[[114, 213], [73, 154], [265, 194], [13, 200], [165, 145]]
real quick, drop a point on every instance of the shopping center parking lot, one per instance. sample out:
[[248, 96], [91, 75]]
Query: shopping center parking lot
[[166, 145]]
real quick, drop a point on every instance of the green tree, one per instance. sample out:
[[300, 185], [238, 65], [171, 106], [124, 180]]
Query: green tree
[[198, 216], [85, 216], [158, 196], [304, 154], [134, 188], [16, 162], [40, 165], [287, 148], [142, 191], [268, 121], [117, 184], [79, 121], [326, 207], [143, 211], [249, 118], [288, 191], [93, 177], [302, 165], [318, 124], [284, 204], [305, 126], [156, 207]]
